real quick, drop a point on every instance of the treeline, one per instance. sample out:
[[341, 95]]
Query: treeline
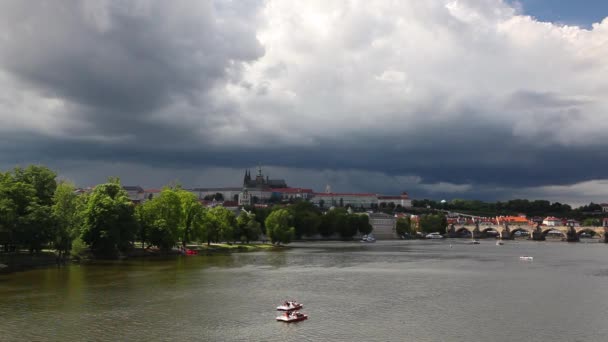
[[38, 212], [541, 208]]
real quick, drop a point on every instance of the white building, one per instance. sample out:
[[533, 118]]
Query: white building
[[551, 221], [402, 200], [384, 226], [604, 207], [327, 200], [136, 193]]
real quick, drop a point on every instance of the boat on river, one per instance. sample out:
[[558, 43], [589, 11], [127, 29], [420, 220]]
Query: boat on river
[[290, 306], [499, 243], [292, 316], [368, 238], [526, 258]]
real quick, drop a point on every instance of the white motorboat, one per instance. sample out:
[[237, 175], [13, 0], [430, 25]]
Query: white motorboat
[[475, 242], [368, 238], [499, 243], [526, 258], [434, 236]]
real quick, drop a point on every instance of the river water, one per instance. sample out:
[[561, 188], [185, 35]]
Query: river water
[[387, 291]]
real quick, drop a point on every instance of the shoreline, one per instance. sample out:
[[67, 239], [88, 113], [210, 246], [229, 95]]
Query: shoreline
[[19, 262]]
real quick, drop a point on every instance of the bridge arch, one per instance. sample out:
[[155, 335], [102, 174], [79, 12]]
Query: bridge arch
[[463, 231], [546, 231], [590, 231], [519, 229]]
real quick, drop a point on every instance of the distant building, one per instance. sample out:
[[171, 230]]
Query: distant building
[[151, 193], [292, 193], [605, 222], [262, 183], [402, 200], [512, 220], [327, 200], [551, 221], [604, 207], [384, 226], [136, 193], [244, 198]]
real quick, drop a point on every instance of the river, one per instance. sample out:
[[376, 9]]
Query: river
[[387, 291]]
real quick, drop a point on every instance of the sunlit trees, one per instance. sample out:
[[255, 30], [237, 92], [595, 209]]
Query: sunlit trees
[[247, 227], [192, 216], [278, 227], [161, 218], [218, 225], [67, 212], [109, 226], [25, 207]]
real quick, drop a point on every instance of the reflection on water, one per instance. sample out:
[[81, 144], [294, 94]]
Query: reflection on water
[[387, 291]]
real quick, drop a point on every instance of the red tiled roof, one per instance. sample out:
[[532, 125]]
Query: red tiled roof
[[332, 194], [292, 190]]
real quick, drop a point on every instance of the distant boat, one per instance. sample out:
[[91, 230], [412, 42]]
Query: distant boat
[[526, 258], [368, 238], [292, 316], [499, 243], [434, 236], [290, 306]]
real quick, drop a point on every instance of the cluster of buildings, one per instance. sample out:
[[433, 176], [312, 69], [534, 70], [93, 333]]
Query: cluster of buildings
[[549, 221], [260, 190]]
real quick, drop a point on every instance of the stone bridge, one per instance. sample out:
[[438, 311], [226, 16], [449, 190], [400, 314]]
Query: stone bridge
[[507, 232]]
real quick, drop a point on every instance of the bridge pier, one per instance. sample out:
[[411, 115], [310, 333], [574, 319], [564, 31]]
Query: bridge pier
[[571, 235], [537, 234]]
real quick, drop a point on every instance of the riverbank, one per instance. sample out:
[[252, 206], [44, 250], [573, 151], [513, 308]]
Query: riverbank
[[15, 262]]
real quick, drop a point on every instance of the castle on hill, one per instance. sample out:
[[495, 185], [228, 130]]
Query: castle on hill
[[262, 183]]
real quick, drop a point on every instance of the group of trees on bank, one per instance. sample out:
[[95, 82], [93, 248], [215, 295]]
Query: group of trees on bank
[[38, 212], [541, 208]]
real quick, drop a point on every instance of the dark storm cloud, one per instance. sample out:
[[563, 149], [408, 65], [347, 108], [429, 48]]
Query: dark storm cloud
[[121, 62]]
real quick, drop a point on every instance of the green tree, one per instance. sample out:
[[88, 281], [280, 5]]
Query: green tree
[[67, 212], [219, 224], [363, 225], [109, 224], [433, 223], [306, 218], [248, 229], [191, 216], [163, 216], [25, 213], [404, 226], [278, 227], [591, 222], [42, 179]]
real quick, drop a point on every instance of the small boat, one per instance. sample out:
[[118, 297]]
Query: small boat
[[191, 252], [475, 242], [290, 317], [499, 243], [290, 306], [527, 258]]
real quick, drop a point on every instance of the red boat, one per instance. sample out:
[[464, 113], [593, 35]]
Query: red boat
[[191, 252], [290, 317]]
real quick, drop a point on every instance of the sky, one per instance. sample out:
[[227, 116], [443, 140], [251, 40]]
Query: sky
[[479, 99]]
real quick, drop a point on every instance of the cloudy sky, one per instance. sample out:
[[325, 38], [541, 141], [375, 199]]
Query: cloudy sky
[[487, 99]]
